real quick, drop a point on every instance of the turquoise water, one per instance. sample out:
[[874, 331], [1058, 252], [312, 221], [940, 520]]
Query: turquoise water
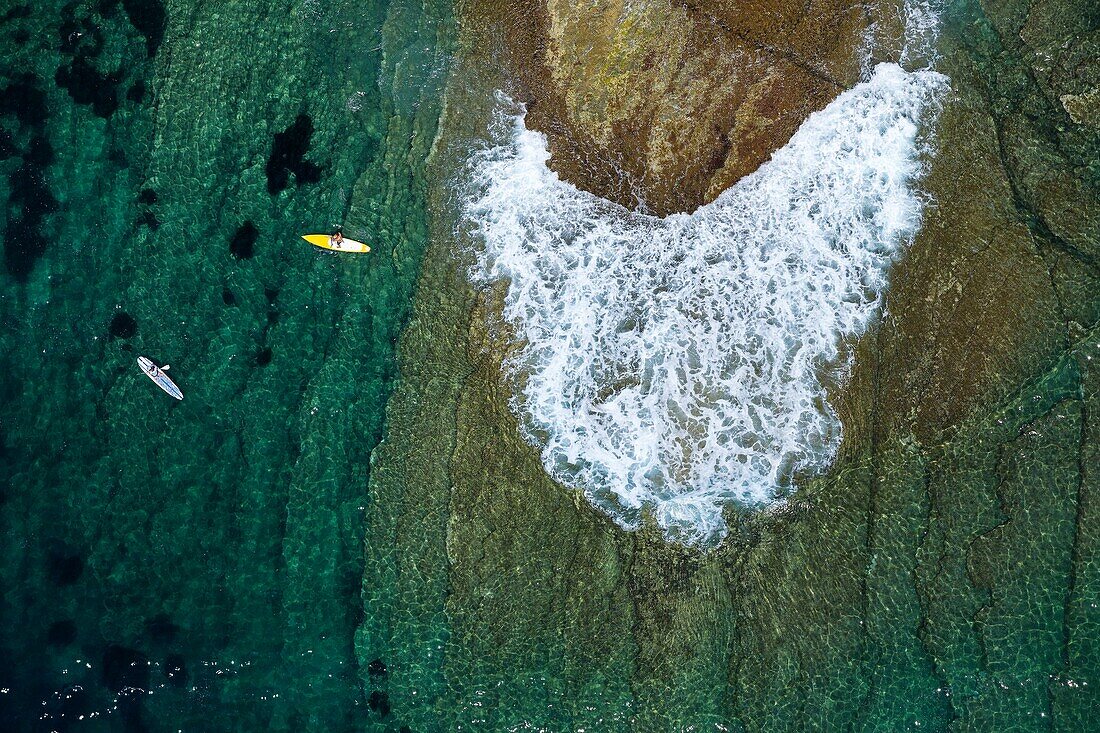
[[208, 552], [340, 527]]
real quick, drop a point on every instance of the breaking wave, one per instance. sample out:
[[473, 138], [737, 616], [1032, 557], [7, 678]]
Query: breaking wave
[[679, 363]]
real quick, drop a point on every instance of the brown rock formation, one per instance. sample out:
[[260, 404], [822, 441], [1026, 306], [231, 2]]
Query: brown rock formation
[[667, 104]]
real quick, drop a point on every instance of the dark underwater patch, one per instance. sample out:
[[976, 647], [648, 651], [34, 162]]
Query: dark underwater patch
[[118, 156], [264, 357], [379, 702], [24, 239], [88, 86], [288, 152], [123, 326], [7, 145], [148, 219], [131, 717], [136, 93], [150, 20], [39, 152], [242, 244], [147, 196], [377, 668], [228, 297], [161, 629], [82, 40], [25, 100], [19, 11], [65, 568], [61, 633]]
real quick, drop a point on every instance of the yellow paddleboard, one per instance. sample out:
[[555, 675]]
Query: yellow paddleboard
[[323, 241]]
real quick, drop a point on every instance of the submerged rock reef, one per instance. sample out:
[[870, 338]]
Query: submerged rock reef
[[942, 575]]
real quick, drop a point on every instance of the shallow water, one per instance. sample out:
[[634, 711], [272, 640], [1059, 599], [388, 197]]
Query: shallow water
[[257, 557]]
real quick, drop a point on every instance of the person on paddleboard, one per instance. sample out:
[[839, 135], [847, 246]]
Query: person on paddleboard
[[336, 239]]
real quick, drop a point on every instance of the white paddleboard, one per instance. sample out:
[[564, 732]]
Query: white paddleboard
[[157, 375]]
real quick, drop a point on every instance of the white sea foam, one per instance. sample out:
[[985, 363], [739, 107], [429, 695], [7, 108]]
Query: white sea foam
[[678, 363]]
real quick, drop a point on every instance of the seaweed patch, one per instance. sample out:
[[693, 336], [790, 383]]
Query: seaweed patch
[[88, 86], [150, 20], [122, 326], [31, 199], [243, 243], [288, 152]]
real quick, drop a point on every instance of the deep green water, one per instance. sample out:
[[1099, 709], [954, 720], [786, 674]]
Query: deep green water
[[210, 551], [252, 558]]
